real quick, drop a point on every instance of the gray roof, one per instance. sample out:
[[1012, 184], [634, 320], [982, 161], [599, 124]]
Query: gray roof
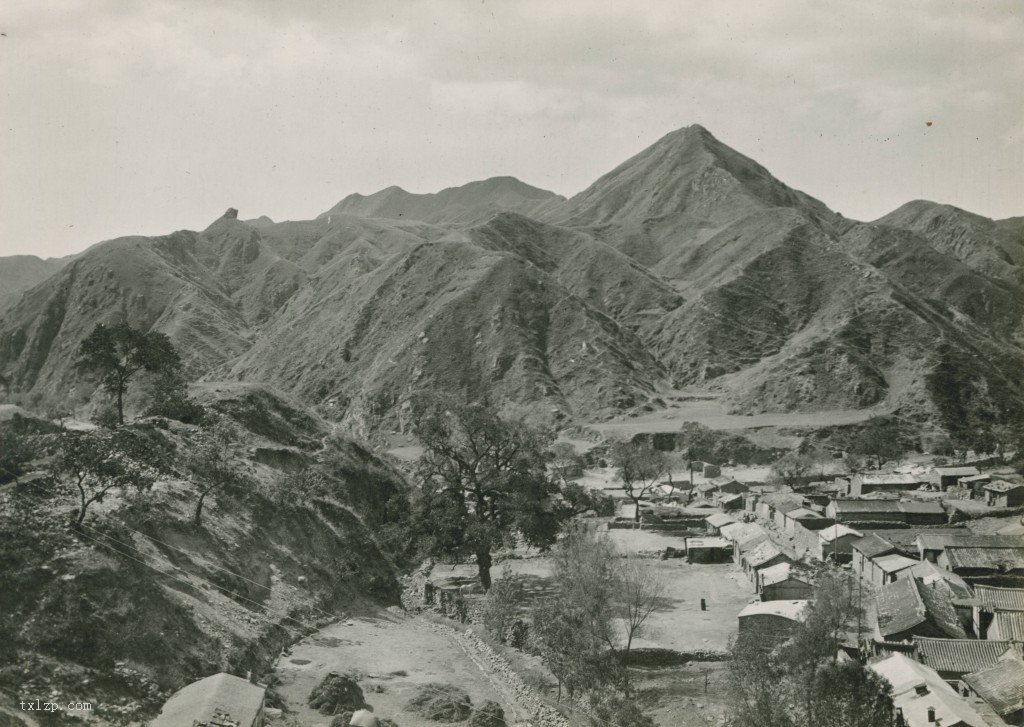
[[995, 597], [223, 696], [907, 603], [957, 471], [871, 545], [1003, 486], [998, 559], [1002, 685], [959, 655]]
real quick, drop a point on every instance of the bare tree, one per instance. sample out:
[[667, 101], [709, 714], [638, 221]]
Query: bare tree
[[212, 464], [640, 589]]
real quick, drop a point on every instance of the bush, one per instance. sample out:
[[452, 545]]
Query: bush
[[440, 703], [337, 694], [488, 714], [502, 603]]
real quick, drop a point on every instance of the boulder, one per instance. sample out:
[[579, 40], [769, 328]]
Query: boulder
[[336, 694]]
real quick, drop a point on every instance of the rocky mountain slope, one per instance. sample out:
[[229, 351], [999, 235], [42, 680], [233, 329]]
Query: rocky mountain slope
[[266, 567], [689, 265]]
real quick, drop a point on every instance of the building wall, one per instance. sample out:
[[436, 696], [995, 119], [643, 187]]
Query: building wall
[[789, 590]]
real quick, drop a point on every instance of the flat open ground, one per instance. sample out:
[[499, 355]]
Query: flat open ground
[[392, 653], [708, 409], [678, 623]]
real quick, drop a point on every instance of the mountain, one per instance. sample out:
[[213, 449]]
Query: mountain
[[689, 265], [18, 273], [993, 248], [469, 204]]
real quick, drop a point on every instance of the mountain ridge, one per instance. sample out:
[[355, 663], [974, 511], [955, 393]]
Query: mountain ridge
[[688, 265]]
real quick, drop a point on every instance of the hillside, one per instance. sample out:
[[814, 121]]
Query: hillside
[[266, 566], [18, 273], [687, 266]]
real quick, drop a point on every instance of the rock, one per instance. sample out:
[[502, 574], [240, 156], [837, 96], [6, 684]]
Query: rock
[[231, 214], [440, 703]]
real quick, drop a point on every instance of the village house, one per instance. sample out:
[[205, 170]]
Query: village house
[[992, 566], [1001, 687], [219, 699], [868, 547], [836, 543], [1004, 494], [716, 521], [975, 483], [945, 477], [921, 697], [750, 537], [907, 607], [922, 513], [708, 550], [954, 658], [1006, 625], [887, 568], [806, 518], [730, 503], [762, 556], [989, 600], [865, 511], [863, 484], [781, 582], [771, 618], [930, 545]]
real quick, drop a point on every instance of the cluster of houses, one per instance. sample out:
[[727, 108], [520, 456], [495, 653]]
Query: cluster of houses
[[946, 606]]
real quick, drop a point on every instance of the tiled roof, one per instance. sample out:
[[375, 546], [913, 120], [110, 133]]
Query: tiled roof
[[928, 573], [865, 506], [1002, 685], [924, 508], [1002, 486], [899, 607], [960, 656], [939, 541], [1007, 625], [719, 519], [907, 603], [894, 562], [781, 572], [957, 471], [704, 543], [230, 698], [793, 610], [890, 478], [994, 597], [834, 532], [761, 554], [975, 478], [1000, 559], [871, 545], [938, 603], [916, 690]]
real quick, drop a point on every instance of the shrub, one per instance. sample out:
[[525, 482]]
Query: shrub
[[440, 703], [337, 694]]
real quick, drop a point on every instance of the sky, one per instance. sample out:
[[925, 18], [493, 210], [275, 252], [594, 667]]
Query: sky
[[122, 117]]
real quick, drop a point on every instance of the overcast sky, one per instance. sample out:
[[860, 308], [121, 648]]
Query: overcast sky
[[123, 117]]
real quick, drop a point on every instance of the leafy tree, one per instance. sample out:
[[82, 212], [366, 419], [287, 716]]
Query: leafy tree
[[566, 462], [848, 695], [98, 462], [168, 394], [579, 500], [212, 464], [881, 438], [118, 352], [640, 466], [484, 481], [793, 468], [15, 453]]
